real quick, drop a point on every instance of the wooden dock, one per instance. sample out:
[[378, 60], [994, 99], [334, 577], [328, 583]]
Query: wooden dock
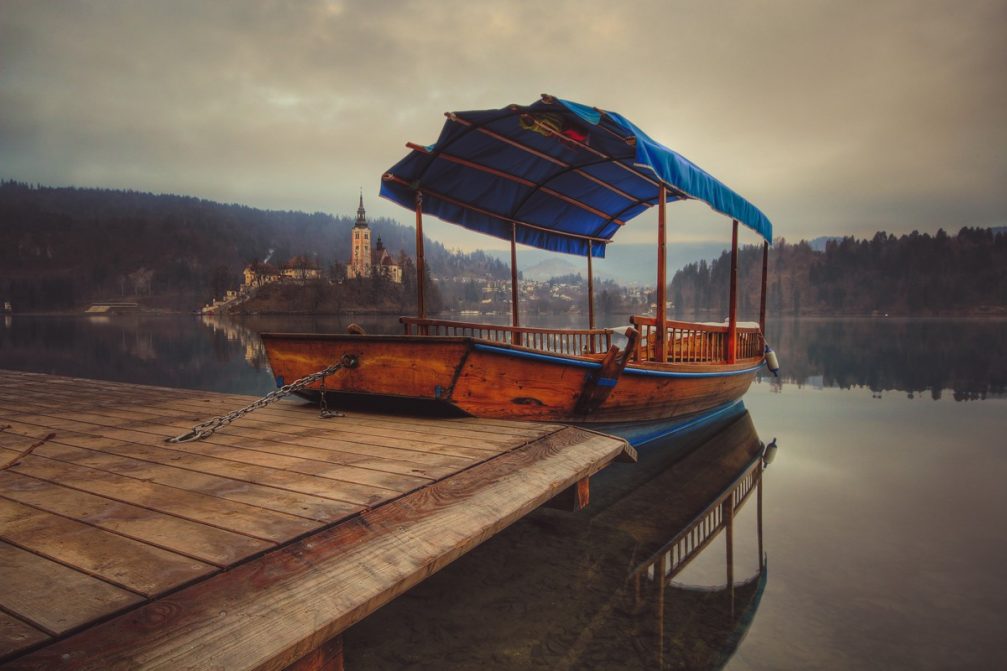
[[254, 548]]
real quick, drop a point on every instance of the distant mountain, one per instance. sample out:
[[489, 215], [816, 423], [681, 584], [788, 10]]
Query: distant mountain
[[626, 264], [819, 243], [637, 263], [549, 268]]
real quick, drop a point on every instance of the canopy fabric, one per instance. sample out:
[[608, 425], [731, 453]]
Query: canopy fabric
[[557, 175]]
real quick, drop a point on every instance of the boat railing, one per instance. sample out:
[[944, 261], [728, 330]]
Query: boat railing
[[691, 342], [557, 341]]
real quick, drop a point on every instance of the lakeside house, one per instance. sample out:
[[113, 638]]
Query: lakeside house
[[259, 273], [301, 268]]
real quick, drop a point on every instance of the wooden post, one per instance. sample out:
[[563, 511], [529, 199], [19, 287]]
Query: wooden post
[[327, 657], [660, 348], [728, 513], [590, 292], [515, 319], [421, 310], [574, 498], [762, 300], [732, 325], [582, 494]]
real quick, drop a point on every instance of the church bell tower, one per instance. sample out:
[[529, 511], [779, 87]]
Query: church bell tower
[[360, 257]]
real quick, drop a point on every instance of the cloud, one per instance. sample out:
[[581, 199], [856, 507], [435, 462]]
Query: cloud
[[832, 117]]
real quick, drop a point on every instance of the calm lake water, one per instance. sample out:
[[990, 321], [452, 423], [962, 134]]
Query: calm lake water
[[882, 512]]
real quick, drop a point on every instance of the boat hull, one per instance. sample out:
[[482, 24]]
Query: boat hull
[[492, 380]]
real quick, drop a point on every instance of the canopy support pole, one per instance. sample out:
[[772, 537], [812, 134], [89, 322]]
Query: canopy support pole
[[732, 325], [762, 299], [421, 310], [590, 288], [515, 320], [661, 346]]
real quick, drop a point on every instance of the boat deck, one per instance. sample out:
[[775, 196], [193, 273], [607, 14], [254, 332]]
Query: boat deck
[[254, 548]]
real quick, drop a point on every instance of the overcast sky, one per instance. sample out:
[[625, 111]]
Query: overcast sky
[[832, 117]]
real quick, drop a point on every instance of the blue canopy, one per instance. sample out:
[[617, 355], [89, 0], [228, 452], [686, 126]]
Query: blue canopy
[[555, 174]]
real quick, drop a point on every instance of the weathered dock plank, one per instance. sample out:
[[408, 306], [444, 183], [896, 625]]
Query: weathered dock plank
[[247, 550], [275, 459], [54, 597], [192, 479], [272, 441], [16, 635], [122, 561], [196, 507], [200, 541]]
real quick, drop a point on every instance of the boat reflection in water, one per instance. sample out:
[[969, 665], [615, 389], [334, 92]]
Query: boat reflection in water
[[702, 627], [585, 590]]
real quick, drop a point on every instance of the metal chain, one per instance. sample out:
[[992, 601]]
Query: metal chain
[[207, 428], [323, 405]]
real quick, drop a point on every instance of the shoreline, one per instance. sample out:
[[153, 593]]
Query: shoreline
[[448, 314]]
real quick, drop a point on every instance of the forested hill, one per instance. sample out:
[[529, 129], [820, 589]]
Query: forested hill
[[61, 248], [915, 274]]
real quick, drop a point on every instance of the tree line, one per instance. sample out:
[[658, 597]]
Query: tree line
[[63, 248], [916, 274]]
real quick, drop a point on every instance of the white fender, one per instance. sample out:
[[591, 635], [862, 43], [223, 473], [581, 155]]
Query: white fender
[[772, 363]]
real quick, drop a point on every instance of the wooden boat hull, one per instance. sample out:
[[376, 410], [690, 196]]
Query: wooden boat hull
[[495, 380]]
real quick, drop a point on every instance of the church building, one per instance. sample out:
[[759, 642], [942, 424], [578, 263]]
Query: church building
[[363, 258]]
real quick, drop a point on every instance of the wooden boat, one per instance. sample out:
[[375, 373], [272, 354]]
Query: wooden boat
[[565, 177]]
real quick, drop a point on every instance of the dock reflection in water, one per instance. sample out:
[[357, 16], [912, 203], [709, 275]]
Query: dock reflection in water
[[582, 590]]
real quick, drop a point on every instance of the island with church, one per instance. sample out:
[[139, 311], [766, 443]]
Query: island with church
[[371, 281]]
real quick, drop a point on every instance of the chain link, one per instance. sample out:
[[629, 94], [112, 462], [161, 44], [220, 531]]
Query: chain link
[[323, 405], [207, 428]]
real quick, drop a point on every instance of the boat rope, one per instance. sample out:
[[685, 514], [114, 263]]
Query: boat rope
[[31, 448], [207, 428]]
